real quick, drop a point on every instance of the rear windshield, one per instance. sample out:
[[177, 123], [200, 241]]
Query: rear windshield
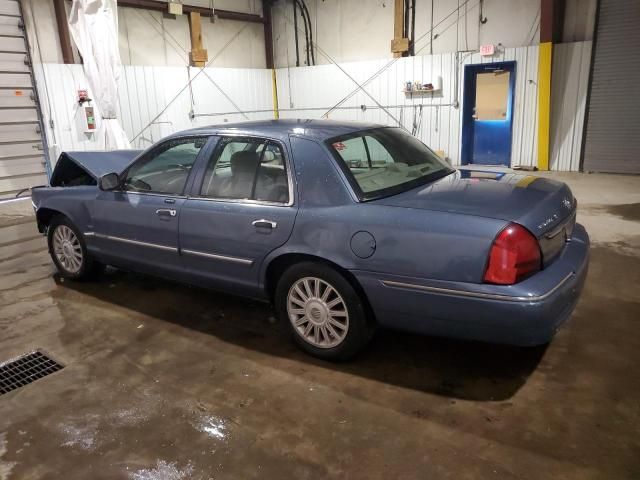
[[386, 161]]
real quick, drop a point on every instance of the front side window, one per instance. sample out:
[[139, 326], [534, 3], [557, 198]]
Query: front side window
[[165, 169], [247, 169], [386, 161]]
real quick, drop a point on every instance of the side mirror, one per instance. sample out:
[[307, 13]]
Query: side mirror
[[109, 181]]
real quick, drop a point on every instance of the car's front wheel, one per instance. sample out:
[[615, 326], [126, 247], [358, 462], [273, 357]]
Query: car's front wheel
[[68, 250], [323, 310]]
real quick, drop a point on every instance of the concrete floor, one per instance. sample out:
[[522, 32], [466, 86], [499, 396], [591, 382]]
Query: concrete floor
[[164, 381]]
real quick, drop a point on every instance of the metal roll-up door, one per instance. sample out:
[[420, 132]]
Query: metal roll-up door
[[22, 162], [612, 141]]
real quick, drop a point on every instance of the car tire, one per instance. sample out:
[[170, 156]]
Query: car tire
[[327, 317], [68, 250]]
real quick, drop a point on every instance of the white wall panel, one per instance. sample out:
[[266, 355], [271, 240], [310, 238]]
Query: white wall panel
[[220, 94], [571, 62], [149, 92], [311, 91], [216, 95]]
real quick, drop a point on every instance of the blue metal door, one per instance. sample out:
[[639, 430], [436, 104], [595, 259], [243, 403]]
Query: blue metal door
[[488, 113]]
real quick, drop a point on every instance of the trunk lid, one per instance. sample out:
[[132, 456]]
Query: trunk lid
[[545, 207]]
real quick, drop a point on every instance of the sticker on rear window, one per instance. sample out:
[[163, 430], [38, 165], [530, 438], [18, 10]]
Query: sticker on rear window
[[339, 146]]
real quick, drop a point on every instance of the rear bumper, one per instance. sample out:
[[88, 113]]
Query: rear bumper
[[526, 314]]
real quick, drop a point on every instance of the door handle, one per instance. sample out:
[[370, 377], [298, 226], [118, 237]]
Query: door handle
[[166, 212], [264, 223]]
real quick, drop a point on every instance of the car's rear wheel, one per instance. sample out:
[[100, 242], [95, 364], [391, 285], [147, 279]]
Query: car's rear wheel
[[326, 315], [69, 251]]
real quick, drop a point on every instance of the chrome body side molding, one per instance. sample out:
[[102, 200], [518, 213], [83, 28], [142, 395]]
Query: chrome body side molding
[[132, 242], [213, 256], [484, 296]]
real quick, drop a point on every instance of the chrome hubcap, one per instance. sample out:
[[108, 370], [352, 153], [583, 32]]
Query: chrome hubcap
[[318, 312], [67, 249]]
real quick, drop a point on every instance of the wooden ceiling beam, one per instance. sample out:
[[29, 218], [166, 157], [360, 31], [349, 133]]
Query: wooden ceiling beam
[[160, 6]]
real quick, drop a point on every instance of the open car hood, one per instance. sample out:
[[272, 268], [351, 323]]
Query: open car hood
[[83, 168]]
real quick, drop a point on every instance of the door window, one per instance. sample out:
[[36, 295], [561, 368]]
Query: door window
[[165, 169], [492, 95], [247, 169]]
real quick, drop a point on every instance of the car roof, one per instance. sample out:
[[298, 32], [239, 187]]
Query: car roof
[[310, 128]]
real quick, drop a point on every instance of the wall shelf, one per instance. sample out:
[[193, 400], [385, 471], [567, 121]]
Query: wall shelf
[[420, 92], [436, 83]]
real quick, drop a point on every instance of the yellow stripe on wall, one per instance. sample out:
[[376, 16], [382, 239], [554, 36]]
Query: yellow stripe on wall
[[276, 112], [544, 103]]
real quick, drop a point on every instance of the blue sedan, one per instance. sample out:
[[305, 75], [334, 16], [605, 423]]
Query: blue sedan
[[342, 226]]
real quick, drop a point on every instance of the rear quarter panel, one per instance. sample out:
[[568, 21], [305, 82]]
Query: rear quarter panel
[[408, 242]]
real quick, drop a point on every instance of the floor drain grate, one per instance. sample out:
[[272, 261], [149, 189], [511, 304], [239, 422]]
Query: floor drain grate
[[26, 369]]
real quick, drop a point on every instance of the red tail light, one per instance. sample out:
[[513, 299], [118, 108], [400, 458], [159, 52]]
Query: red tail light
[[514, 255]]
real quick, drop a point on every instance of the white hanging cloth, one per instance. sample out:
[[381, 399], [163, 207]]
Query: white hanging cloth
[[94, 27]]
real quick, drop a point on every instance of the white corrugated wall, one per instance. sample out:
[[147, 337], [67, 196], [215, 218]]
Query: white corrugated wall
[[308, 92], [311, 91], [571, 63], [216, 95], [149, 92]]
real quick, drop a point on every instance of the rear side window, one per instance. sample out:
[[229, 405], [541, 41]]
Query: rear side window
[[386, 161], [247, 169]]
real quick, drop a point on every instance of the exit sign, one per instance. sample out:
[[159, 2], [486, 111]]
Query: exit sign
[[487, 49]]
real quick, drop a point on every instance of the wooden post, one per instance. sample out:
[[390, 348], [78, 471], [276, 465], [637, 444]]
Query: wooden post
[[198, 56], [400, 43], [63, 31]]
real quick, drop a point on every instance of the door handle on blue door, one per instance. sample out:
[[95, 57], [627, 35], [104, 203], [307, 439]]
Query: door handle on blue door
[[264, 223], [166, 212]]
